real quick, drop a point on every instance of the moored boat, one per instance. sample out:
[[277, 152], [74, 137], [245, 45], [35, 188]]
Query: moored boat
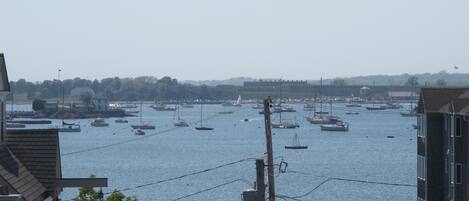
[[121, 121], [139, 132], [99, 122], [296, 144], [339, 126]]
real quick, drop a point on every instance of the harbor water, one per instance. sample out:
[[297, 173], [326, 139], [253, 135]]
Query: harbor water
[[363, 161]]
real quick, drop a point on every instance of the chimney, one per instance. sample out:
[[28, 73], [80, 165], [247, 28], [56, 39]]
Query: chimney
[[4, 91]]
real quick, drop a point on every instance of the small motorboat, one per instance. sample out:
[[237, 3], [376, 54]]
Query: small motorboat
[[143, 127], [139, 132], [121, 121], [339, 126], [352, 113], [69, 128], [246, 120], [181, 123], [225, 112], [162, 107], [186, 105], [99, 122], [353, 105], [381, 107]]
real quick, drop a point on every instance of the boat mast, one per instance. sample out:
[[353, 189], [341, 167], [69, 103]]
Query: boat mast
[[141, 111], [59, 85], [320, 97], [201, 119], [280, 104]]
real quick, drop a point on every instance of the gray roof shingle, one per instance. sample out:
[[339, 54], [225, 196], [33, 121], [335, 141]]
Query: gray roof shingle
[[17, 176], [39, 151], [4, 83]]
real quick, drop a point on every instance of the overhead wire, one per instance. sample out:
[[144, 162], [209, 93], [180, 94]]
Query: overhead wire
[[185, 175], [207, 189]]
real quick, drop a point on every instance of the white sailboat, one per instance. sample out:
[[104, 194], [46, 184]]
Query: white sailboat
[[238, 102], [179, 122]]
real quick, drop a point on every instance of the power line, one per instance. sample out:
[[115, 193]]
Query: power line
[[328, 179], [186, 175], [205, 190]]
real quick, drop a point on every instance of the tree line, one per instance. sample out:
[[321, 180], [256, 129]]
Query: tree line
[[124, 89]]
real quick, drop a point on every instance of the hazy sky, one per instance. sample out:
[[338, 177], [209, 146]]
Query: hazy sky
[[218, 39]]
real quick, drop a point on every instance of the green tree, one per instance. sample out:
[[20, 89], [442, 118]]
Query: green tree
[[338, 82], [441, 83], [89, 194], [116, 196], [412, 81]]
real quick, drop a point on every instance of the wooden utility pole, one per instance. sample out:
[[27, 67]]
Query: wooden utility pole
[[268, 140], [260, 181]]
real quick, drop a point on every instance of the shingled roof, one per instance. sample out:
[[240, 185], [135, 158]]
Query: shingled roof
[[17, 177], [442, 100], [4, 83], [39, 151]]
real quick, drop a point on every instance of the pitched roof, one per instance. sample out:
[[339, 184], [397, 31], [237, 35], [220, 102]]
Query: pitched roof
[[15, 174], [442, 100], [39, 151], [4, 83]]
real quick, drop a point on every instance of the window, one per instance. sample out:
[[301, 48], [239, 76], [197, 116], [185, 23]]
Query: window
[[421, 167], [459, 173], [421, 122], [451, 169], [458, 127]]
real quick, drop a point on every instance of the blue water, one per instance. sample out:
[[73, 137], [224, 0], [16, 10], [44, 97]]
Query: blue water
[[363, 153]]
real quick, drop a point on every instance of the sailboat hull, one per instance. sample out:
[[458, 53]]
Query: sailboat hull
[[203, 128], [143, 127], [296, 147]]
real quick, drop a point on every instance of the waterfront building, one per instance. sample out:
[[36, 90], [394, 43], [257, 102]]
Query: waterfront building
[[443, 144]]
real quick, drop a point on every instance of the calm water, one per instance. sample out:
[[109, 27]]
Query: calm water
[[363, 153]]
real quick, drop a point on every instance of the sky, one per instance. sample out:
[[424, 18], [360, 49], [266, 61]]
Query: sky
[[219, 39]]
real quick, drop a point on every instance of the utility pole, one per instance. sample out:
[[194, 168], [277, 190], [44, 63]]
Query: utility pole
[[260, 180], [268, 140]]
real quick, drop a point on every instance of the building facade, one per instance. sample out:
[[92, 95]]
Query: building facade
[[442, 145]]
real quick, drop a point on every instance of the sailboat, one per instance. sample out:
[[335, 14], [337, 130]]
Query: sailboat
[[180, 122], [66, 127], [320, 117], [296, 144], [142, 125], [202, 127], [339, 126], [412, 111], [238, 102], [283, 124]]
